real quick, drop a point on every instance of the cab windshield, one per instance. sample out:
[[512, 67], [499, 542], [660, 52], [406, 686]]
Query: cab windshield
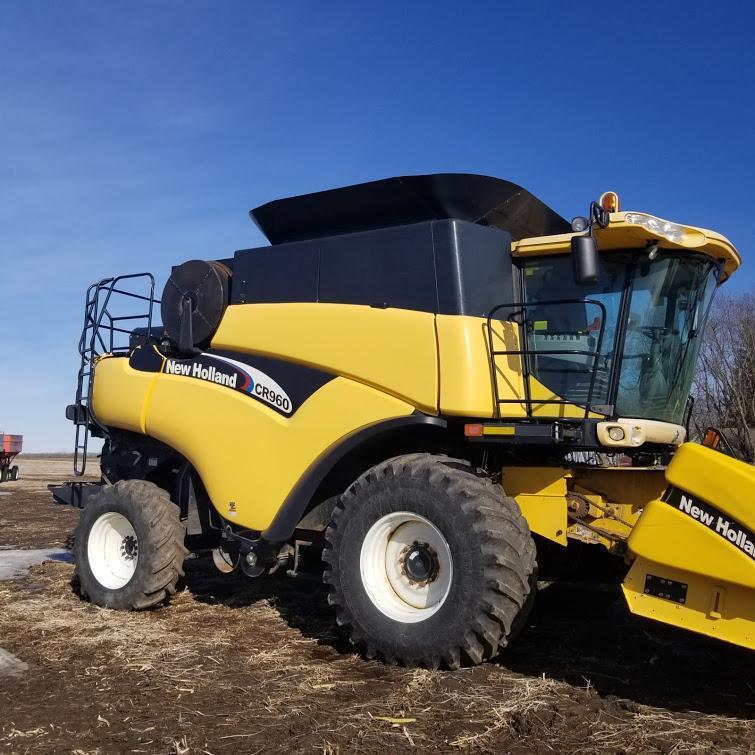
[[633, 335]]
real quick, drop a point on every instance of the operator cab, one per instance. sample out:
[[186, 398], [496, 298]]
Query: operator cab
[[636, 325], [654, 312]]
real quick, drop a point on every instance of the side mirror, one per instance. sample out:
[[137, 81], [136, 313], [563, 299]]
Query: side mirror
[[584, 252]]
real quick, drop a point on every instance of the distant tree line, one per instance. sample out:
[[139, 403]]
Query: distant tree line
[[724, 384]]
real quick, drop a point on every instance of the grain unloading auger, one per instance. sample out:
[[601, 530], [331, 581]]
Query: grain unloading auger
[[414, 378]]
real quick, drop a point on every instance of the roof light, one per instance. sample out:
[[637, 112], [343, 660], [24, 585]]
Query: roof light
[[609, 201], [656, 226]]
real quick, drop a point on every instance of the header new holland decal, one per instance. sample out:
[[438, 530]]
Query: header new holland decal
[[232, 374], [739, 536]]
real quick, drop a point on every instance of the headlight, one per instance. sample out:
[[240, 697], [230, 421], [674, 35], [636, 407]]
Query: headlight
[[616, 433], [670, 231]]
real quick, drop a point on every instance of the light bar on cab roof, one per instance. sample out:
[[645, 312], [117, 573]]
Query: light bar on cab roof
[[664, 228]]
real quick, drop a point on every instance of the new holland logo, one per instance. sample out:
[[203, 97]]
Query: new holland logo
[[197, 370], [714, 520], [232, 374]]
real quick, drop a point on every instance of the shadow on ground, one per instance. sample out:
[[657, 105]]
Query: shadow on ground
[[581, 634]]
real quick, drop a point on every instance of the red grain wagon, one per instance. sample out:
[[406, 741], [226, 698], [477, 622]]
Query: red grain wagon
[[10, 445]]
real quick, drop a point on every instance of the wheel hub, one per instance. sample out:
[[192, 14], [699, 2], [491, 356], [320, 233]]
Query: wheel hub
[[406, 566], [112, 550], [129, 547], [419, 563]]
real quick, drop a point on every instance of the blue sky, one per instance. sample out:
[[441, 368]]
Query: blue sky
[[137, 135]]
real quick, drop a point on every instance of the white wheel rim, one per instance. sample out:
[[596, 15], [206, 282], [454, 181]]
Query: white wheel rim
[[394, 544], [112, 550]]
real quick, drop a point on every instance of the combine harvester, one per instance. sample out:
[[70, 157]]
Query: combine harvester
[[417, 375], [10, 447]]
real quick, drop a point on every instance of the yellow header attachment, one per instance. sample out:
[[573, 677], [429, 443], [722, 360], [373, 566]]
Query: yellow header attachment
[[628, 230]]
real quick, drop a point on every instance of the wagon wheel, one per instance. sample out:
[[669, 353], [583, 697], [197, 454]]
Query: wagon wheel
[[3, 473], [13, 472]]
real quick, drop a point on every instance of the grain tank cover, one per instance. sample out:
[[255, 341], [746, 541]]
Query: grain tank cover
[[409, 199]]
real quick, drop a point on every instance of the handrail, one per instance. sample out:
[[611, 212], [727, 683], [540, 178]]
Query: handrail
[[99, 337], [526, 353]]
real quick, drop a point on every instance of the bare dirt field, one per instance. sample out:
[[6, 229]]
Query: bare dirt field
[[235, 665]]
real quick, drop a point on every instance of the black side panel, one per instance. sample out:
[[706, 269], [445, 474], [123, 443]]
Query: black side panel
[[473, 266], [388, 267], [445, 266], [392, 267], [268, 275]]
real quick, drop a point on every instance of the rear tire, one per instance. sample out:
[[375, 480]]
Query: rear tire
[[129, 547], [14, 473], [3, 474], [428, 563]]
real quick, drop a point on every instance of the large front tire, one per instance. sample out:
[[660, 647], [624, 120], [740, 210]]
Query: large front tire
[[429, 563], [129, 547]]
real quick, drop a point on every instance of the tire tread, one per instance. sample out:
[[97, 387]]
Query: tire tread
[[167, 554], [508, 581]]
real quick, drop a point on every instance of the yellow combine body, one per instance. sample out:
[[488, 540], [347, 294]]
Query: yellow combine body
[[416, 391]]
